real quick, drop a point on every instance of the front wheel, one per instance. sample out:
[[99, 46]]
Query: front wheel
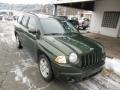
[[45, 68]]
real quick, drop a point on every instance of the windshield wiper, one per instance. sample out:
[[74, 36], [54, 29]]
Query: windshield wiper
[[53, 34], [70, 33], [61, 33]]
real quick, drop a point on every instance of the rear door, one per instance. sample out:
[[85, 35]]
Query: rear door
[[24, 30], [30, 37]]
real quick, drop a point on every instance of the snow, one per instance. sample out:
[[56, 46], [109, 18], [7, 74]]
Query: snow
[[7, 36], [20, 77], [113, 64], [19, 71]]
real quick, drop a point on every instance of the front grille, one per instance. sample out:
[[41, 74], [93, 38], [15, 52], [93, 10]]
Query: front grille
[[92, 58]]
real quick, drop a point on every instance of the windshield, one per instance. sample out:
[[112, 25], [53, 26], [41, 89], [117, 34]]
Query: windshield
[[55, 26]]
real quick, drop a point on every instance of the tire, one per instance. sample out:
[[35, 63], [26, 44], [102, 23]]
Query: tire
[[84, 28], [45, 68], [18, 43]]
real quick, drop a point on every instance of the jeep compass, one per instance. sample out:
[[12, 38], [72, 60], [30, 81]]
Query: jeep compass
[[59, 49]]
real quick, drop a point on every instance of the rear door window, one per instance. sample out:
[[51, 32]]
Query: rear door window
[[25, 20]]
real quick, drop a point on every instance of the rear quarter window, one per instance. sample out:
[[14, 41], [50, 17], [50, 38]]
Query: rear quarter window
[[19, 19], [25, 20]]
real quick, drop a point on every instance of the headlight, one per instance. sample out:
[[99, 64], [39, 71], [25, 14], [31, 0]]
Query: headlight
[[60, 59], [73, 57]]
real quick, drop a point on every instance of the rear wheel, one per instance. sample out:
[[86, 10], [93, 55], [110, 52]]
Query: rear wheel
[[18, 43], [45, 68]]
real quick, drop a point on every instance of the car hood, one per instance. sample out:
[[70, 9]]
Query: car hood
[[72, 43]]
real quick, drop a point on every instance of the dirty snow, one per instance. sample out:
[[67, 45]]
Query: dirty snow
[[19, 71], [113, 64], [20, 77], [24, 79]]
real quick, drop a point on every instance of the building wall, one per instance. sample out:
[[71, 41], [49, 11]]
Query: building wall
[[96, 21]]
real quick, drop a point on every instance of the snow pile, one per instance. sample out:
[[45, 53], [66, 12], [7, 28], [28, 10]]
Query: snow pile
[[113, 64]]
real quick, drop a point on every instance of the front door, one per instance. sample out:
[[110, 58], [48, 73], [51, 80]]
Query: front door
[[31, 36]]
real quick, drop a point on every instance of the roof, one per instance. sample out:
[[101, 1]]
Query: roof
[[31, 13], [68, 1], [78, 4], [42, 15]]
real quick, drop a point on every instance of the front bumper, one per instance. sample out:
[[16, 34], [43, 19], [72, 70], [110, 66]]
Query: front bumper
[[71, 73]]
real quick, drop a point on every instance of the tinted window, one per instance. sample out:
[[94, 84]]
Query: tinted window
[[24, 20], [19, 19], [32, 23]]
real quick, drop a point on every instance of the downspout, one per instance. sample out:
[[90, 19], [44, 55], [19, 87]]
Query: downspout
[[54, 10], [118, 34]]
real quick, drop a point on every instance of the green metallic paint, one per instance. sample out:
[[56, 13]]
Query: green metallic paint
[[67, 44], [59, 45]]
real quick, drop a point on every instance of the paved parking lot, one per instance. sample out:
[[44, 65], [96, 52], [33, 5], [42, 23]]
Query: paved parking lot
[[19, 72]]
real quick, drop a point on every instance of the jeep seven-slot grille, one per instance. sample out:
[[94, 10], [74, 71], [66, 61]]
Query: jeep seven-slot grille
[[93, 58]]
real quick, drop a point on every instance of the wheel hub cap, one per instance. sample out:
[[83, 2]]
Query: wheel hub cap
[[44, 68]]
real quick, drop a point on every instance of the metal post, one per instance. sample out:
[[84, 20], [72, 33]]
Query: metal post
[[118, 34], [55, 10]]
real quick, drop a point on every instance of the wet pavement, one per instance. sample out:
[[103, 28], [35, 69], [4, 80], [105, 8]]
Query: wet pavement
[[19, 72]]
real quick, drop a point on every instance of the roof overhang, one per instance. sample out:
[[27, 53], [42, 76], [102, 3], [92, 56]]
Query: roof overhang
[[78, 4]]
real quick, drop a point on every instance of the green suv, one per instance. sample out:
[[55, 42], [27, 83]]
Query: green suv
[[59, 49]]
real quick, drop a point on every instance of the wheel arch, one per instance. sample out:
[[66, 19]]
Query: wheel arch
[[15, 33], [40, 52]]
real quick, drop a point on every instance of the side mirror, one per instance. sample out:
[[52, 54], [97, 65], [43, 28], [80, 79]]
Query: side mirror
[[35, 32]]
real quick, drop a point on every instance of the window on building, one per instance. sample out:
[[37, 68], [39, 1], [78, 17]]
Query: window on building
[[110, 19]]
